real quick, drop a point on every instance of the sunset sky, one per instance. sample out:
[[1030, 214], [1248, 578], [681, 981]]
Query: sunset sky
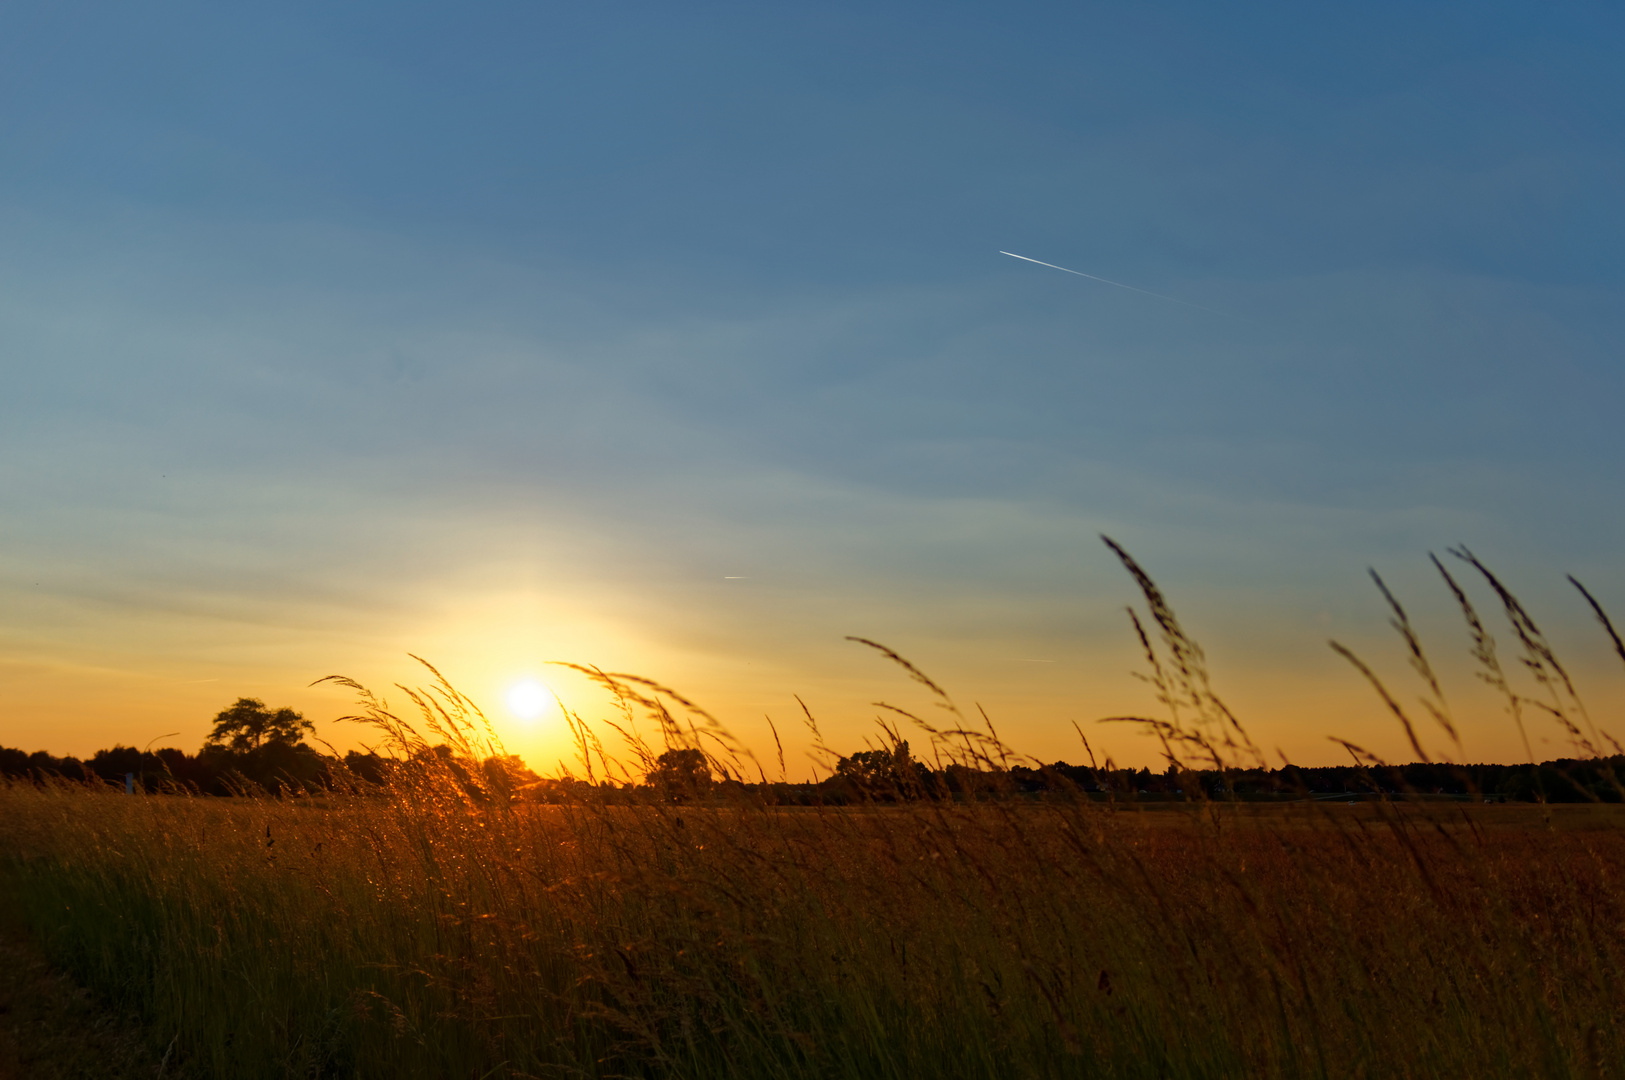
[[676, 339]]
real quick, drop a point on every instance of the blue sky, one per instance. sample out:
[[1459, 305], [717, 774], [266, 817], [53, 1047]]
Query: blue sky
[[508, 332]]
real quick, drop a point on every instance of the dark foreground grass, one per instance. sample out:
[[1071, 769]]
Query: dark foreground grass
[[53, 1029], [416, 935]]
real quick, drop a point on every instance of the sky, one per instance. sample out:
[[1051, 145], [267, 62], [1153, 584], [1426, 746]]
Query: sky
[[678, 340]]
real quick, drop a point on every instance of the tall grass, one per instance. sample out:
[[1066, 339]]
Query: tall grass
[[434, 928]]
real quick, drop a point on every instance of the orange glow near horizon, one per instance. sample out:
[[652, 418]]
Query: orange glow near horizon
[[76, 711], [142, 675]]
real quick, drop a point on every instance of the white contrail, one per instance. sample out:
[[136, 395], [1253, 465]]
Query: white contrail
[[1119, 284]]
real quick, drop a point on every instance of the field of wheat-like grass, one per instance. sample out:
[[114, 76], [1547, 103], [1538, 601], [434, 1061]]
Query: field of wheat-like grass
[[414, 933], [431, 926]]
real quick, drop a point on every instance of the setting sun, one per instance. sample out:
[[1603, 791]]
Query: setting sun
[[528, 699]]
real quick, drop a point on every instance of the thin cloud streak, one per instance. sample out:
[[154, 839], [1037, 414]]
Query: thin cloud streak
[[1120, 285]]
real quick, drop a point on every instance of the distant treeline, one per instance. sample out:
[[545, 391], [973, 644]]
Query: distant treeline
[[889, 775], [211, 771], [685, 775]]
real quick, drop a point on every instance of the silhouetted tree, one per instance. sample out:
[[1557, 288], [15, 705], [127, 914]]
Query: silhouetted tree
[[681, 775], [261, 746], [506, 774], [248, 725], [885, 774], [369, 766], [112, 765]]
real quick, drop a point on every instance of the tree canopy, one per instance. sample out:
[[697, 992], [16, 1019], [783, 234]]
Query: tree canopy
[[248, 725], [681, 774]]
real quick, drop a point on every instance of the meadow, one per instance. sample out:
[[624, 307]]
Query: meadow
[[435, 925]]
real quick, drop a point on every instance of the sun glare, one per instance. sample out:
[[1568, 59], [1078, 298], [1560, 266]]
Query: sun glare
[[528, 699]]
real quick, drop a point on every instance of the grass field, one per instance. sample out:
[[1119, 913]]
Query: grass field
[[418, 934], [428, 927]]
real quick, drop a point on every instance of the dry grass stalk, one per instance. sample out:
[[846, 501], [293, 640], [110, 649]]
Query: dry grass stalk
[[437, 927]]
